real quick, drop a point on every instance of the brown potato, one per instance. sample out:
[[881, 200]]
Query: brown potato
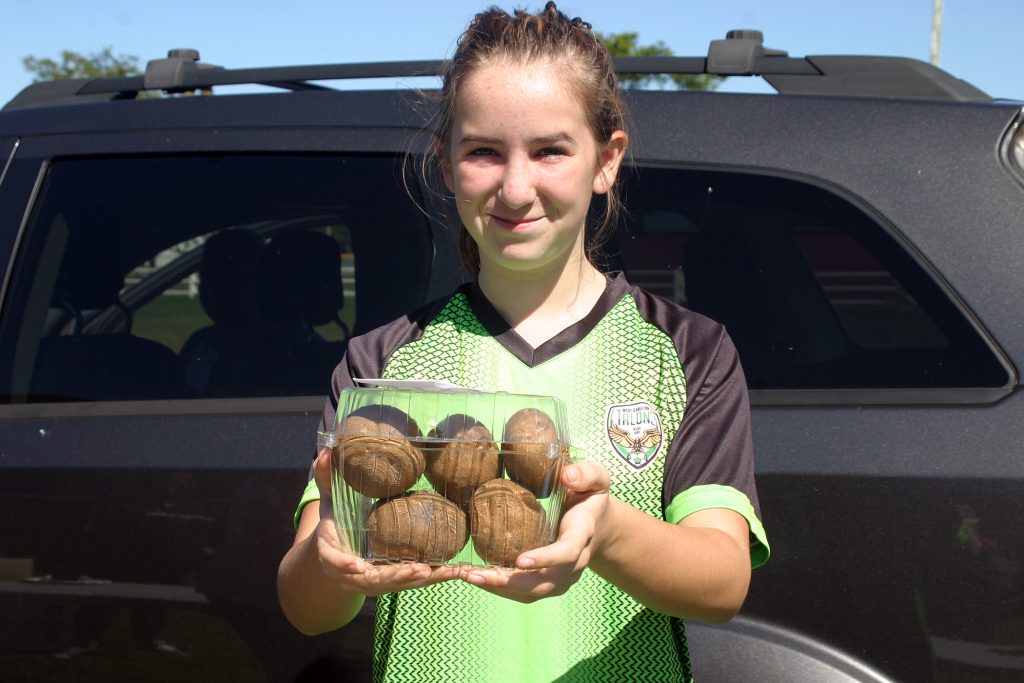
[[375, 453], [466, 459], [420, 526], [506, 520], [533, 456]]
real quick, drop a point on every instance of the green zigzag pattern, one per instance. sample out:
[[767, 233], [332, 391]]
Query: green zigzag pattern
[[452, 629]]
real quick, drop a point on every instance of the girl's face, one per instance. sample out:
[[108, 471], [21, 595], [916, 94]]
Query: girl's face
[[523, 165]]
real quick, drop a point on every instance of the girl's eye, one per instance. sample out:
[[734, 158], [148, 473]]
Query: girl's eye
[[552, 152], [481, 152]]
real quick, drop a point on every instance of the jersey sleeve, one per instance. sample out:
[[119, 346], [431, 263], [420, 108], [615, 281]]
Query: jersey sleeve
[[710, 461], [711, 458]]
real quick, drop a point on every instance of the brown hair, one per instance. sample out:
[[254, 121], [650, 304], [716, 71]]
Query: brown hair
[[495, 36]]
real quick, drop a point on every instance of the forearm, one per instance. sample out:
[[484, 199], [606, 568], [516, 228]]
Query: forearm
[[686, 570], [311, 600]]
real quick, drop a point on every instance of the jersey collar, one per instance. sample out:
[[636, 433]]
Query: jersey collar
[[615, 288]]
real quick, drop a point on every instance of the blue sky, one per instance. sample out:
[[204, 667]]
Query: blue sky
[[980, 38]]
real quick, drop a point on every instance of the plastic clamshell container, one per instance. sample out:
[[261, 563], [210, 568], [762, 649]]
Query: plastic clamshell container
[[443, 477]]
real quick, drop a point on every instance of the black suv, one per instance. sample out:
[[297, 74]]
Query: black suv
[[178, 275]]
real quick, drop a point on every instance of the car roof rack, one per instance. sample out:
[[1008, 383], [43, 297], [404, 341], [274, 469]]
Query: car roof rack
[[740, 53]]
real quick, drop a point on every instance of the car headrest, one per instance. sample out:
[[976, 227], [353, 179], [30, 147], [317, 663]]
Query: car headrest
[[300, 278], [228, 277]]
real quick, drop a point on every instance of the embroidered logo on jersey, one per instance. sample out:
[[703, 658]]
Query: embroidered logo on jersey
[[634, 431]]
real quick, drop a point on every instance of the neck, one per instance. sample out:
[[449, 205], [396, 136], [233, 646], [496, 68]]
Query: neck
[[539, 305]]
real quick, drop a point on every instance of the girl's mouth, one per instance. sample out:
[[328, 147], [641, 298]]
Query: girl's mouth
[[513, 223]]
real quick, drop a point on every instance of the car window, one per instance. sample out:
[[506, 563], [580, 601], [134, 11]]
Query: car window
[[815, 293], [206, 276]]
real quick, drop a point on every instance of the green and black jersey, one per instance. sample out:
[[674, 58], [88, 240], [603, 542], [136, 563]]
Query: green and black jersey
[[654, 392]]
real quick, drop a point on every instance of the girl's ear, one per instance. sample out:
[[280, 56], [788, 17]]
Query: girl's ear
[[609, 158], [440, 153]]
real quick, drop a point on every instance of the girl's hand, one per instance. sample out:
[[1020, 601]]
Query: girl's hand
[[554, 568], [352, 572]]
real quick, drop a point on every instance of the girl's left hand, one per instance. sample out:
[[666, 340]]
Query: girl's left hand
[[555, 567]]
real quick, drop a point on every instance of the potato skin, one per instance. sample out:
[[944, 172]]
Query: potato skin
[[533, 456], [421, 526], [375, 453], [466, 459], [505, 520]]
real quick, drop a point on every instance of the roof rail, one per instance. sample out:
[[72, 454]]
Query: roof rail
[[740, 53], [173, 73]]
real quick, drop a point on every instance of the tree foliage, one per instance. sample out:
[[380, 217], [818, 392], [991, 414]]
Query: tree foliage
[[102, 64], [626, 45]]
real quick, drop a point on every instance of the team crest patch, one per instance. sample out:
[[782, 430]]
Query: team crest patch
[[634, 431]]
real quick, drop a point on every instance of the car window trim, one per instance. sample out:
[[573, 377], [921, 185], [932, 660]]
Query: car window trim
[[880, 396], [23, 221], [261, 405]]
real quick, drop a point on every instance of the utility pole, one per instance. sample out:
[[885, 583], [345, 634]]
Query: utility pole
[[936, 31]]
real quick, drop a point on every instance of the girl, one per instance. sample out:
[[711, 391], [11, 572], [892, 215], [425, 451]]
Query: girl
[[530, 128]]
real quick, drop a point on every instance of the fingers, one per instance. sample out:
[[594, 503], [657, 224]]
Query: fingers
[[379, 579], [554, 567], [575, 536], [584, 477], [337, 563], [571, 549], [322, 472], [358, 575], [523, 586], [589, 482]]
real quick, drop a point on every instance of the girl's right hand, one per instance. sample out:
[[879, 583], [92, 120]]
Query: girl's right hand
[[352, 572], [556, 567]]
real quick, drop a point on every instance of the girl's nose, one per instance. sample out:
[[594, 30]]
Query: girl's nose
[[517, 188]]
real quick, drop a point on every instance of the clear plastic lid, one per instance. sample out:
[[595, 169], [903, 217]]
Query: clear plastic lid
[[429, 415]]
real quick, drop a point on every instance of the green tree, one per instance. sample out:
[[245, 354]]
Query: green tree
[[102, 64], [625, 45]]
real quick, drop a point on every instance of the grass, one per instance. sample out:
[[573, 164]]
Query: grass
[[170, 320]]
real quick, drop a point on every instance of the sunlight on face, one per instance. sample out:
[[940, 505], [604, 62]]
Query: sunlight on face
[[523, 165]]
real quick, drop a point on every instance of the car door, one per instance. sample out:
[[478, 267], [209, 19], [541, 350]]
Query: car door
[[178, 297], [854, 264]]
